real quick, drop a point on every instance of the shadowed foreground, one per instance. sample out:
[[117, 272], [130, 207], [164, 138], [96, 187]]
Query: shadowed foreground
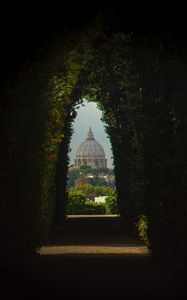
[[94, 258]]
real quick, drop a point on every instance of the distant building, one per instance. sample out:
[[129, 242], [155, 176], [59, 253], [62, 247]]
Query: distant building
[[100, 199], [72, 167], [90, 153], [80, 181]]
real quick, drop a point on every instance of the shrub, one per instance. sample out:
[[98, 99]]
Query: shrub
[[75, 203], [93, 208], [143, 228], [111, 205]]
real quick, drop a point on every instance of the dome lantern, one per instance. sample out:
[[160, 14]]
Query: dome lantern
[[90, 135]]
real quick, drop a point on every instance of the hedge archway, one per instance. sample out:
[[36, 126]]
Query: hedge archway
[[140, 86]]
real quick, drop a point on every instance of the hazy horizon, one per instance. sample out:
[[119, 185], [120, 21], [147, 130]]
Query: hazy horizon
[[90, 116]]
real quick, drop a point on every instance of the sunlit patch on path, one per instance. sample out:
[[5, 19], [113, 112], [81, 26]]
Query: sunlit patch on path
[[91, 250]]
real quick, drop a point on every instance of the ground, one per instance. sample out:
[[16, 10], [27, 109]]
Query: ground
[[94, 258]]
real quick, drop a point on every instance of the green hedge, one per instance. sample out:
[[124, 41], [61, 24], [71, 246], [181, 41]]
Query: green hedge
[[93, 208], [75, 203], [111, 205]]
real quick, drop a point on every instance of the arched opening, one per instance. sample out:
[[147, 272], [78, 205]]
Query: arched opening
[[90, 171], [94, 81]]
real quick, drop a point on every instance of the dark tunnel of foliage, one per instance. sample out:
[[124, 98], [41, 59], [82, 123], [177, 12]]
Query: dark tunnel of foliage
[[140, 84]]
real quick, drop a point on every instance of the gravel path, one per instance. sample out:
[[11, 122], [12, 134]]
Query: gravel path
[[84, 249]]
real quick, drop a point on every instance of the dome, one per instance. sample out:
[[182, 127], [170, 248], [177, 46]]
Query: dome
[[90, 147], [90, 152]]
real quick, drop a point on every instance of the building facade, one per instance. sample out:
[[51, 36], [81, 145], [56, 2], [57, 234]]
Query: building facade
[[90, 153]]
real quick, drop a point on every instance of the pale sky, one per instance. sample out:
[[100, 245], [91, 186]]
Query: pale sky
[[89, 116]]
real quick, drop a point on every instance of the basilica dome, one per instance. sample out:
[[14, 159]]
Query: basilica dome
[[90, 153]]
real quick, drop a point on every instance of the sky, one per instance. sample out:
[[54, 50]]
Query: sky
[[90, 116]]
